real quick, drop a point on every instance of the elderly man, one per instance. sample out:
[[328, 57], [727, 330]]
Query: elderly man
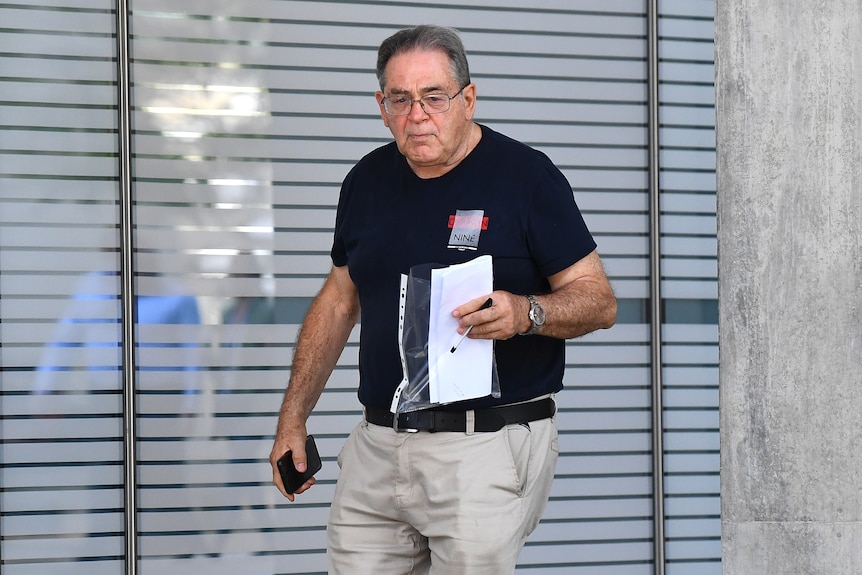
[[463, 493]]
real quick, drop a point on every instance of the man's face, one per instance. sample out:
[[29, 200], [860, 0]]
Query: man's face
[[432, 143]]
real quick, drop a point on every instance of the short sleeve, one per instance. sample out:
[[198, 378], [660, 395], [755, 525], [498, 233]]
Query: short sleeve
[[557, 235], [338, 252]]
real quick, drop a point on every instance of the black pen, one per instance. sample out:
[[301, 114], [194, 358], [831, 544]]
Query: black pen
[[488, 303]]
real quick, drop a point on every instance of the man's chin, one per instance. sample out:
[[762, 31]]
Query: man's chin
[[422, 156]]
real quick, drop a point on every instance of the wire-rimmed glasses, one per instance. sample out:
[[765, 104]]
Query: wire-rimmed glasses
[[435, 103]]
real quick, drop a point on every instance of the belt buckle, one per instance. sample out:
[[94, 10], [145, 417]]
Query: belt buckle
[[401, 429]]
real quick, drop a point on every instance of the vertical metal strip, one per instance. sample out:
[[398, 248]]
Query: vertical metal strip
[[655, 288], [127, 287]]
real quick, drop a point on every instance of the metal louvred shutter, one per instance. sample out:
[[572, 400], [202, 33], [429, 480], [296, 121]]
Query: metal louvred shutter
[[61, 439], [690, 287], [246, 117]]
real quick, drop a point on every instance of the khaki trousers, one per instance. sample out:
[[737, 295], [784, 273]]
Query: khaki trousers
[[439, 503]]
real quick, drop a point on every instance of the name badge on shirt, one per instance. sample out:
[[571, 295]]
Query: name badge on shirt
[[467, 226]]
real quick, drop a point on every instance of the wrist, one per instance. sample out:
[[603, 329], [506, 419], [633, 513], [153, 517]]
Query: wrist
[[524, 324]]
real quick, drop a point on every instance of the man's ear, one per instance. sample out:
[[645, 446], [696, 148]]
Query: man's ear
[[469, 96], [379, 97]]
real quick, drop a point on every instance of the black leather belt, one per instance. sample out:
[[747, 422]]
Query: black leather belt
[[485, 420]]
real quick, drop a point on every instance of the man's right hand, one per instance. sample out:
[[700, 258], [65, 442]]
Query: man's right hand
[[289, 439]]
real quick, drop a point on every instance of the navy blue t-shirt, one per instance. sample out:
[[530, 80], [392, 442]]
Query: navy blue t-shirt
[[504, 199]]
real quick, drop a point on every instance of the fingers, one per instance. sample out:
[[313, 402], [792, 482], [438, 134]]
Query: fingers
[[472, 306], [306, 486], [276, 478], [473, 313], [497, 321], [299, 458], [289, 440]]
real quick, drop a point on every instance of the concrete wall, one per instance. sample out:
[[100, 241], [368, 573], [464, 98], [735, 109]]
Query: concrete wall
[[789, 127]]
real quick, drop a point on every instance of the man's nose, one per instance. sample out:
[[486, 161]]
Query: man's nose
[[416, 110]]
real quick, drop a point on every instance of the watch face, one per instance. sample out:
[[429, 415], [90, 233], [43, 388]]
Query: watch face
[[540, 315], [537, 314]]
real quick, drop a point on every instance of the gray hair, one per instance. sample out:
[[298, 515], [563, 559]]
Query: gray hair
[[426, 38]]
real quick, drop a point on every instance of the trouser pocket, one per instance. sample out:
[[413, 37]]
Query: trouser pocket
[[518, 441]]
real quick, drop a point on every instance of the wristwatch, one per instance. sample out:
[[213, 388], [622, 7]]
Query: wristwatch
[[537, 316]]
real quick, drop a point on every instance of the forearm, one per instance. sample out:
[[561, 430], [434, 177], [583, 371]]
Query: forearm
[[320, 341], [581, 301], [319, 344], [317, 351], [576, 309]]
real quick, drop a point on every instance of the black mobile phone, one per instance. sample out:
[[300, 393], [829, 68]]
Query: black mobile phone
[[292, 478]]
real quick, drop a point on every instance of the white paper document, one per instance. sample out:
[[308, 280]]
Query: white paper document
[[465, 373]]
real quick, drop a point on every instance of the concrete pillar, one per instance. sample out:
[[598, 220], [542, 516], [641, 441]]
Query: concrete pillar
[[789, 141]]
